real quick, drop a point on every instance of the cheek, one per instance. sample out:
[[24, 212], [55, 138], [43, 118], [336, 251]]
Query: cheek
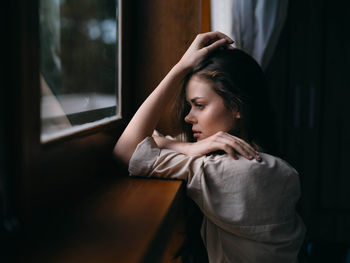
[[221, 120], [208, 118]]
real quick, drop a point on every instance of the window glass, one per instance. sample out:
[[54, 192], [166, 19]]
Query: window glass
[[79, 69]]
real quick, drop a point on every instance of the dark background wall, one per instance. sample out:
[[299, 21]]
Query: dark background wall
[[309, 86]]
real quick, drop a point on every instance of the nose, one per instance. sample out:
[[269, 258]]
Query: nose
[[190, 118]]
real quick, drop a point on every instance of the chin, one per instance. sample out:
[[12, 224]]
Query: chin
[[199, 138]]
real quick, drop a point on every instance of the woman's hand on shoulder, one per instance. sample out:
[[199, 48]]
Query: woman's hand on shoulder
[[202, 45], [223, 141]]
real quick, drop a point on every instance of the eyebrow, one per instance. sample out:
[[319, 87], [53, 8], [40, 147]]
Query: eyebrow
[[196, 98]]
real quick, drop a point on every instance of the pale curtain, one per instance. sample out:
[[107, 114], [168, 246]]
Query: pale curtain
[[255, 25]]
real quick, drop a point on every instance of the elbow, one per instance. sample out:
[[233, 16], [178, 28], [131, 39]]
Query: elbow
[[122, 152]]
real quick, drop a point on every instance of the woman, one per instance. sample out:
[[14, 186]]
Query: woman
[[248, 203]]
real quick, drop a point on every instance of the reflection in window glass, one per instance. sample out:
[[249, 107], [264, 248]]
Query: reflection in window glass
[[79, 65]]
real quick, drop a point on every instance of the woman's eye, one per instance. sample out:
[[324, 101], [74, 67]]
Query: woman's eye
[[199, 105]]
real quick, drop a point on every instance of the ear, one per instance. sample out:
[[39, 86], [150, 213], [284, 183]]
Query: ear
[[237, 115]]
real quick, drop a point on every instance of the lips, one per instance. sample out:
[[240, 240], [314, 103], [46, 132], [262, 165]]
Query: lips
[[196, 134]]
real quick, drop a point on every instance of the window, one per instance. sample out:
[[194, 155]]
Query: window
[[79, 65]]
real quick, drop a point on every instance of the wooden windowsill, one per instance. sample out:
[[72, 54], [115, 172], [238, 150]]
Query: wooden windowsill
[[132, 220]]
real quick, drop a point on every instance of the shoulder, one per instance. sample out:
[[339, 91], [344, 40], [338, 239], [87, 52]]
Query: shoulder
[[270, 169], [256, 192], [269, 162]]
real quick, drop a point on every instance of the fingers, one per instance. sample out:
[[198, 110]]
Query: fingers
[[220, 43], [229, 150], [251, 151], [213, 40], [231, 144], [230, 47], [238, 147], [202, 45], [216, 35], [247, 147]]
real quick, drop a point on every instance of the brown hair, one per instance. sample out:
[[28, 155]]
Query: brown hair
[[240, 81]]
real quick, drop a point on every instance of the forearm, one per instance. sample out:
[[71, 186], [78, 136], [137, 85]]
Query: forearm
[[221, 141], [164, 143], [147, 117]]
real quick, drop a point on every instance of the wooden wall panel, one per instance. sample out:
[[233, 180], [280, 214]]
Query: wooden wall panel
[[206, 18], [162, 33]]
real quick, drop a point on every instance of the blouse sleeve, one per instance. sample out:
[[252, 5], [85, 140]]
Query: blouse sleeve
[[150, 161]]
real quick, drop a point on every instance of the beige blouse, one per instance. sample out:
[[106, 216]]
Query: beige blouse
[[248, 206]]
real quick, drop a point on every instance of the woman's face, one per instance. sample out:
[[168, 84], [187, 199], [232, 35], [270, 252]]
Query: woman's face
[[208, 114]]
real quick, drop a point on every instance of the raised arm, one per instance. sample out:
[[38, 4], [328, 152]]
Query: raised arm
[[147, 117]]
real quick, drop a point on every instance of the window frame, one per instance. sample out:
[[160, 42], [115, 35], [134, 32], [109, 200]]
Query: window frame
[[96, 125]]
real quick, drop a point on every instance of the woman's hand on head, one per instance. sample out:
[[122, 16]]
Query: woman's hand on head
[[203, 45], [224, 141]]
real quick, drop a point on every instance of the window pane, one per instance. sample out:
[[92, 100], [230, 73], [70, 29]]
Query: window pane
[[79, 64]]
